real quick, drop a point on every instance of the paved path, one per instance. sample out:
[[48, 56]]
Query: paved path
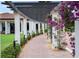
[[38, 48]]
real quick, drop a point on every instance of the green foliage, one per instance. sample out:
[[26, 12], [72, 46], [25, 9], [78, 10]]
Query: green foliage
[[45, 30], [41, 31], [37, 33], [33, 34], [17, 49], [28, 36], [6, 40], [69, 23], [23, 40], [10, 51]]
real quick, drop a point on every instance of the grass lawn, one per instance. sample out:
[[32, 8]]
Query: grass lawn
[[6, 40]]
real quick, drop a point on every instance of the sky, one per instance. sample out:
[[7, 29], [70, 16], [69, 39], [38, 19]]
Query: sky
[[4, 9]]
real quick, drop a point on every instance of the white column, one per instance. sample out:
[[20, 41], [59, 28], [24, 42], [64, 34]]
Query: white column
[[30, 27], [17, 28], [25, 27], [0, 27], [33, 30], [54, 40], [43, 27], [34, 27], [77, 39], [39, 27], [7, 27], [21, 26]]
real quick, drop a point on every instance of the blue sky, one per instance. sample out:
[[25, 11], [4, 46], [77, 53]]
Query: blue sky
[[4, 9]]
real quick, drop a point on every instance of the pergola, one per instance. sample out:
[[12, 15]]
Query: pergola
[[35, 11]]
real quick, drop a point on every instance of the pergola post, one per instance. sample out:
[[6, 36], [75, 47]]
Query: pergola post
[[30, 27], [21, 26], [7, 27], [0, 27], [39, 27], [25, 27], [32, 23], [17, 28], [34, 26], [43, 27], [54, 40], [77, 39]]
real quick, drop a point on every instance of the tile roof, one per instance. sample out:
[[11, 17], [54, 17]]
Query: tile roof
[[6, 16]]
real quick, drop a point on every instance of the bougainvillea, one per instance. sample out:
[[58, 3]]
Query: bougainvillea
[[71, 7], [51, 22], [60, 26], [55, 24]]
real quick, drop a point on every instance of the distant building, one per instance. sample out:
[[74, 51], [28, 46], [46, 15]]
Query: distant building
[[6, 23]]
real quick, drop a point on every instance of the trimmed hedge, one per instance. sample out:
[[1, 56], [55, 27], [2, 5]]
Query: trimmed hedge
[[10, 51]]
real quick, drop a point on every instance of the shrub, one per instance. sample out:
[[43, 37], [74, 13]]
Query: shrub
[[33, 34], [23, 40], [17, 50], [45, 30], [28, 36], [41, 31], [37, 33], [10, 52]]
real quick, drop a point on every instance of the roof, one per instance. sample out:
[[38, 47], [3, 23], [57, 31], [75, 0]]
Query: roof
[[6, 16], [37, 11]]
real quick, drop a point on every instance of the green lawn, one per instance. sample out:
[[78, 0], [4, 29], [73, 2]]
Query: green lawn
[[6, 40]]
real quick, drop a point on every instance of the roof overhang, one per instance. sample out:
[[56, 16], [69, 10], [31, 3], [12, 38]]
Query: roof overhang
[[35, 10]]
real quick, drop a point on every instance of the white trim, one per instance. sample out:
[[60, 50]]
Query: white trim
[[69, 50]]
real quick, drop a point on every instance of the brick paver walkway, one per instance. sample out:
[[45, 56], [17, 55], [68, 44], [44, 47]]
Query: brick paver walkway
[[38, 48]]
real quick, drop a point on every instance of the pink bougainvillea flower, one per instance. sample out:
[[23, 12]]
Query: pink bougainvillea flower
[[60, 26], [52, 23], [69, 5]]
